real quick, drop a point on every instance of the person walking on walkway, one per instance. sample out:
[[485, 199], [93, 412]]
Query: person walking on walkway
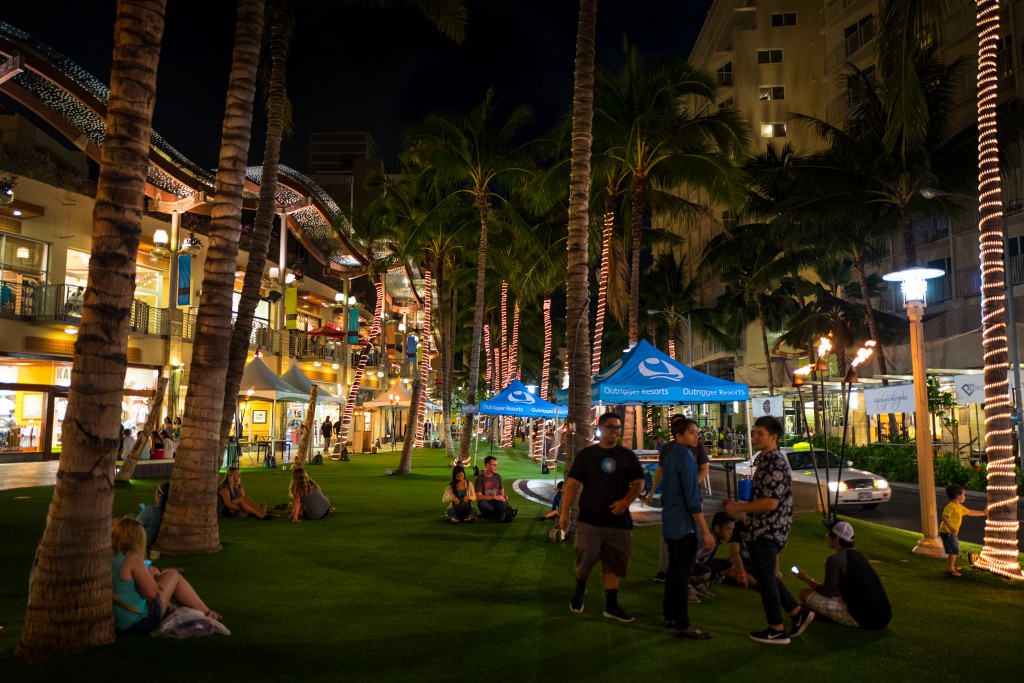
[[612, 478]]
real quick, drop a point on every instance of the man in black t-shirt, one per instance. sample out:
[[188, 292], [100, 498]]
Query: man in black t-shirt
[[612, 478]]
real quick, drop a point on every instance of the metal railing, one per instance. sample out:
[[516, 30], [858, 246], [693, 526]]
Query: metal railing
[[724, 79], [833, 9], [851, 45], [968, 281], [940, 289], [17, 299]]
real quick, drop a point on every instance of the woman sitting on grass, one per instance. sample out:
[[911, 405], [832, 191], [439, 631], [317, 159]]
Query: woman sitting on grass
[[309, 502], [142, 595], [461, 494], [232, 501], [154, 514]]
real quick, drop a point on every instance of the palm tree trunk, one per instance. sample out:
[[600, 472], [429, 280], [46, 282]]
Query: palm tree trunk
[[405, 463], [637, 224], [448, 351], [909, 243], [767, 353], [238, 350], [364, 356], [602, 288], [545, 367], [577, 284], [999, 554], [446, 324], [506, 377], [483, 209], [310, 427], [425, 334], [190, 520], [127, 469], [70, 585], [869, 310]]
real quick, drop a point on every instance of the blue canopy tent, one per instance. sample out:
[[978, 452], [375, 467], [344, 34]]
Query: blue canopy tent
[[646, 376], [517, 401]]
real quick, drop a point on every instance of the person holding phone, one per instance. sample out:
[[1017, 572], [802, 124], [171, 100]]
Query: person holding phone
[[852, 594], [143, 594]]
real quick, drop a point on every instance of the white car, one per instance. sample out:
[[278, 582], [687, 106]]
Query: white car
[[857, 487]]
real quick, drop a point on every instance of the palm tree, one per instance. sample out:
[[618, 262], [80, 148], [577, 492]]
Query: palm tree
[[374, 229], [666, 133], [577, 297], [190, 520], [1000, 552], [69, 592], [673, 298], [759, 287], [277, 39], [476, 155]]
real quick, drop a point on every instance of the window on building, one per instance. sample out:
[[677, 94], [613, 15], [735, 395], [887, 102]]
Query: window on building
[[1015, 245], [773, 130], [727, 103], [771, 92], [725, 75], [779, 19], [769, 56], [1004, 57]]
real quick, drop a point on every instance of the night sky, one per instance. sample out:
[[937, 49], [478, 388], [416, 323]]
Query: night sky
[[366, 69]]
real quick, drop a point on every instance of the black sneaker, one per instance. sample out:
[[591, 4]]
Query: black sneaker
[[800, 622], [660, 577], [576, 604], [770, 635], [619, 614]]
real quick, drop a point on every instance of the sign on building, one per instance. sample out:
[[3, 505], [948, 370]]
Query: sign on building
[[897, 399], [768, 405]]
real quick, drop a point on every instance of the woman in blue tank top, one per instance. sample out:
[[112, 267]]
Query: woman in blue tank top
[[143, 594]]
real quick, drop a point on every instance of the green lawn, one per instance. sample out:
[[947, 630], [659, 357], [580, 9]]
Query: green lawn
[[386, 591]]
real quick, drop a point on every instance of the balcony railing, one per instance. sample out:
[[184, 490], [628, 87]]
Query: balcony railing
[[853, 44], [968, 281], [833, 9], [940, 289], [725, 79]]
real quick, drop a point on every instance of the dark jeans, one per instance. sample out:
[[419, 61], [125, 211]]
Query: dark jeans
[[491, 508], [681, 555], [775, 597]]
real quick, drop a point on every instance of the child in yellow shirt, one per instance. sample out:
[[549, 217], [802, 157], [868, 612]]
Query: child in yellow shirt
[[949, 528]]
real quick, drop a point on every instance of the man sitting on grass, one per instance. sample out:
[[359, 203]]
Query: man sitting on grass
[[490, 494], [852, 594]]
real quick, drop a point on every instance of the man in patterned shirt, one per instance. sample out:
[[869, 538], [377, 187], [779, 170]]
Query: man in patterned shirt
[[771, 515]]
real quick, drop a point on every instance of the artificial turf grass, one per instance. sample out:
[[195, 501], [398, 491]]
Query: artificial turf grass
[[386, 590]]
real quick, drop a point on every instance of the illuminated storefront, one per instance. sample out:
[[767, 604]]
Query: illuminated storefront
[[34, 400]]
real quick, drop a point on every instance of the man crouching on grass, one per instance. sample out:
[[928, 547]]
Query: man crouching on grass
[[612, 478]]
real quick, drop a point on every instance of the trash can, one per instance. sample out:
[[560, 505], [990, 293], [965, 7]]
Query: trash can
[[743, 488]]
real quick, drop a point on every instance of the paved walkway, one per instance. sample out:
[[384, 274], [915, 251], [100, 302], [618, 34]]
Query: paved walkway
[[21, 475]]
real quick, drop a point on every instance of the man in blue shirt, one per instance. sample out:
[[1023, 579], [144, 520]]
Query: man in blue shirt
[[682, 518]]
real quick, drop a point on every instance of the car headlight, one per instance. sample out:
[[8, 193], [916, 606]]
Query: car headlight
[[881, 484], [834, 486]]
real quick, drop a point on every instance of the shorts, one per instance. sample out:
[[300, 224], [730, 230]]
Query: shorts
[[610, 545], [834, 608], [950, 543], [148, 622]]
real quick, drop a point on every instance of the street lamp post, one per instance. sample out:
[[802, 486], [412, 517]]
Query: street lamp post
[[914, 282]]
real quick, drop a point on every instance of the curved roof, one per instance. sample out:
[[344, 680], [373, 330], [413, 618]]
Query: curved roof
[[74, 102]]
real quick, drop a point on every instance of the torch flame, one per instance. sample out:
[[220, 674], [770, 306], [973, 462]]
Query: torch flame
[[805, 370], [824, 346], [864, 353]]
